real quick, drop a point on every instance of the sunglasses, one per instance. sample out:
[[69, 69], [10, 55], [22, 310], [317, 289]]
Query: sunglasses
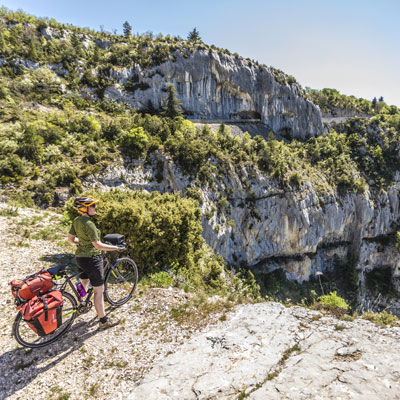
[[93, 206]]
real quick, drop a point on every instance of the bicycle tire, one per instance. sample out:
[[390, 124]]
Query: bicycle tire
[[26, 337], [120, 281]]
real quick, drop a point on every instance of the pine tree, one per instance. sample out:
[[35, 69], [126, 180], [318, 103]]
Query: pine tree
[[33, 50], [380, 99], [2, 43], [172, 108], [127, 29], [194, 35], [149, 108], [374, 101]]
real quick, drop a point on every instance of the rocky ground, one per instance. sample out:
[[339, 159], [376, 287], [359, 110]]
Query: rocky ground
[[267, 351], [259, 351], [86, 363]]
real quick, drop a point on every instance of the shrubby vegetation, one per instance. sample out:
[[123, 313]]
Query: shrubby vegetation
[[381, 318], [164, 234], [332, 301], [331, 101]]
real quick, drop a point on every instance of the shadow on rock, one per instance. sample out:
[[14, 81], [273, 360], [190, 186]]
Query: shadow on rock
[[60, 258]]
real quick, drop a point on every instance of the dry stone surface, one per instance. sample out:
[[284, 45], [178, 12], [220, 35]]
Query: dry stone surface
[[268, 351]]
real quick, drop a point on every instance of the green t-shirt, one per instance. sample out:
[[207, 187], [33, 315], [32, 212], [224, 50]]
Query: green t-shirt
[[86, 231]]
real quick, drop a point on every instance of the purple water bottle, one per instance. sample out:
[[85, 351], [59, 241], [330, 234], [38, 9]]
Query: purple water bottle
[[79, 287]]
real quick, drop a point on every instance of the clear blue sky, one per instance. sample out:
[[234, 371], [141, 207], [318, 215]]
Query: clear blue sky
[[349, 45]]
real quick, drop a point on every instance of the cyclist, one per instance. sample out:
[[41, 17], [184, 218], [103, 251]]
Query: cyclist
[[86, 237]]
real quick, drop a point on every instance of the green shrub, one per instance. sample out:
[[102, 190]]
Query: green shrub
[[12, 169], [382, 318], [135, 142], [164, 233], [332, 303], [62, 173], [160, 279]]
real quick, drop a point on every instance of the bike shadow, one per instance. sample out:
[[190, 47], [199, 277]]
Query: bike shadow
[[21, 366]]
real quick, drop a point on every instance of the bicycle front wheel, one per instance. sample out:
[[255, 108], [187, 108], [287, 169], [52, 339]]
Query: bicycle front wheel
[[28, 338], [120, 282]]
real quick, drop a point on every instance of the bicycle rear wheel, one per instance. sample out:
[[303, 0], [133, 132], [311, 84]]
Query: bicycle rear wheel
[[120, 282], [28, 338]]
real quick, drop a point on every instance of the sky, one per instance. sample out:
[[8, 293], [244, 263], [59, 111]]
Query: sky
[[349, 45]]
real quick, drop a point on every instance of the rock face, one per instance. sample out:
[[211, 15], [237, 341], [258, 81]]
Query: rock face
[[267, 351], [266, 227], [211, 85]]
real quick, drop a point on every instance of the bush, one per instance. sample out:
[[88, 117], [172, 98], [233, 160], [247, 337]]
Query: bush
[[12, 169], [333, 303], [135, 142], [164, 232], [382, 318], [160, 279]]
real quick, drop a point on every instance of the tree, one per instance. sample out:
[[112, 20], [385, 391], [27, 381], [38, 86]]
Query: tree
[[149, 108], [172, 109], [380, 99], [194, 35], [127, 28], [374, 101]]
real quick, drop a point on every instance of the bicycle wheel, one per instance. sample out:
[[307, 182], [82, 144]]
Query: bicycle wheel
[[120, 282], [28, 338]]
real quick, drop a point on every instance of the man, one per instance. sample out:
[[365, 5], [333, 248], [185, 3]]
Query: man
[[85, 235]]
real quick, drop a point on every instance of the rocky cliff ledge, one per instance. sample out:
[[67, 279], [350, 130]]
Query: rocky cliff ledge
[[214, 85], [267, 351]]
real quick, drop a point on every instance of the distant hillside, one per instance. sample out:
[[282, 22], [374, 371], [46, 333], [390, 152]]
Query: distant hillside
[[211, 83]]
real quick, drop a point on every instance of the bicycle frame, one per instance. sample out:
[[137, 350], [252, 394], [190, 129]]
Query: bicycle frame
[[69, 281]]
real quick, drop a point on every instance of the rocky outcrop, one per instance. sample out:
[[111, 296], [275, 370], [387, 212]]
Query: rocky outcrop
[[267, 351], [212, 85], [267, 227], [339, 115]]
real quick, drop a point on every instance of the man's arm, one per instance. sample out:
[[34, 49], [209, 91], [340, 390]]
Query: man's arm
[[105, 247], [72, 239]]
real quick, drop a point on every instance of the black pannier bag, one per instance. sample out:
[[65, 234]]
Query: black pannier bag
[[115, 239]]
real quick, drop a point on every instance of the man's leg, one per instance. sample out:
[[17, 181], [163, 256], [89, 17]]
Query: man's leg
[[104, 321], [85, 283], [99, 300]]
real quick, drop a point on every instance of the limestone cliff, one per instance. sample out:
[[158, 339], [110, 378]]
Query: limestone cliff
[[214, 85], [267, 227]]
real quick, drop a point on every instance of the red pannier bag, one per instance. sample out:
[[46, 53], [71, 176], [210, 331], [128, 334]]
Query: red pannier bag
[[44, 313], [31, 286]]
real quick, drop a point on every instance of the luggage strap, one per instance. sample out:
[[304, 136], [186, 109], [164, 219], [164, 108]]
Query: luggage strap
[[46, 308]]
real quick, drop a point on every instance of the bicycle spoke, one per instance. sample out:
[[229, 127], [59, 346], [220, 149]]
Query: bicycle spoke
[[121, 281]]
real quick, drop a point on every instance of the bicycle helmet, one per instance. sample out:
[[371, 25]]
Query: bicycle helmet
[[83, 202]]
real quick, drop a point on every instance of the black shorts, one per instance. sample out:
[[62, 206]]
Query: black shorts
[[92, 268]]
